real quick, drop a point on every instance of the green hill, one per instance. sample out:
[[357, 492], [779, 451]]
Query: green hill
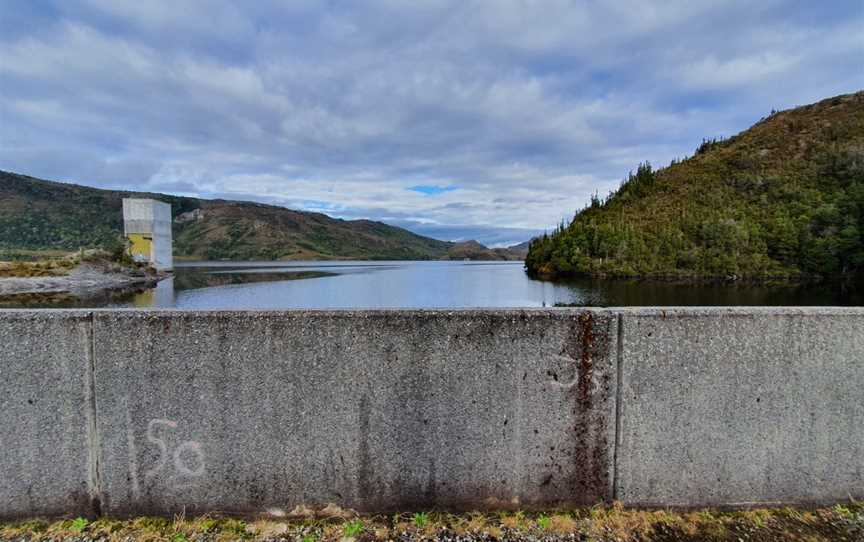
[[472, 250], [43, 215], [783, 199]]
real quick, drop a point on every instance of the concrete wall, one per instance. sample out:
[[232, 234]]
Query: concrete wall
[[162, 411], [46, 423], [738, 407]]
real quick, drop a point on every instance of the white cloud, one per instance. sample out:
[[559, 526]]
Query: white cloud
[[527, 107]]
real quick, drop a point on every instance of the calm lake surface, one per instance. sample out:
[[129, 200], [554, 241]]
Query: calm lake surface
[[435, 284]]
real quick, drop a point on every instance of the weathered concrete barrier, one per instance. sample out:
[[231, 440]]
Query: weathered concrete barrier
[[254, 412], [732, 407], [371, 410], [46, 423]]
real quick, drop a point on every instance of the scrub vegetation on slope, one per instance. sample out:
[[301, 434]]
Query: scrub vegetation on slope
[[44, 215], [783, 199]]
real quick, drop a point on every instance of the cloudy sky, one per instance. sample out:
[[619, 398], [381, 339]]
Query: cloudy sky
[[489, 120]]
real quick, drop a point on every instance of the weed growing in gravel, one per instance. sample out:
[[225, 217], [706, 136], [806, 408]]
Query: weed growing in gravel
[[421, 520], [352, 528], [544, 522], [514, 522], [562, 524], [78, 525]]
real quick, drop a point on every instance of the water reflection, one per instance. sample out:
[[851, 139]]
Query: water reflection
[[328, 285], [160, 297], [265, 285], [164, 295], [636, 293]]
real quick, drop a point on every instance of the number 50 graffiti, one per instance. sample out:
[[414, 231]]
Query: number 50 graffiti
[[179, 463], [185, 467]]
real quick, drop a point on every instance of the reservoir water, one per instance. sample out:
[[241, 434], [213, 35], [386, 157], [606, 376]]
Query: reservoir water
[[433, 284]]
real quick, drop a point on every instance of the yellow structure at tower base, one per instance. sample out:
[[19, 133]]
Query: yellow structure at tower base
[[141, 246]]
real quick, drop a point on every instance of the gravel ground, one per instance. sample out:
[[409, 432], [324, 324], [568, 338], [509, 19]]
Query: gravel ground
[[843, 522]]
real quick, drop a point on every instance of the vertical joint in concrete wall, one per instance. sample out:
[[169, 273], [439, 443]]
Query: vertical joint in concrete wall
[[588, 347], [619, 366], [94, 481]]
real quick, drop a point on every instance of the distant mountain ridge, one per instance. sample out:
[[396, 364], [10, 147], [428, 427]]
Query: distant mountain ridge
[[782, 199], [473, 250], [36, 214]]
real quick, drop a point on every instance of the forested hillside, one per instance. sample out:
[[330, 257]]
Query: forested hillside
[[40, 215], [783, 199]]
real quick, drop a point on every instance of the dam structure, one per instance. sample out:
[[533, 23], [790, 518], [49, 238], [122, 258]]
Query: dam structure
[[147, 227], [129, 412]]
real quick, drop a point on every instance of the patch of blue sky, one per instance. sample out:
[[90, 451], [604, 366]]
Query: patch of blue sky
[[432, 190]]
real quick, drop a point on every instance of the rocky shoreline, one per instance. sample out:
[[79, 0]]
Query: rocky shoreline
[[85, 279]]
